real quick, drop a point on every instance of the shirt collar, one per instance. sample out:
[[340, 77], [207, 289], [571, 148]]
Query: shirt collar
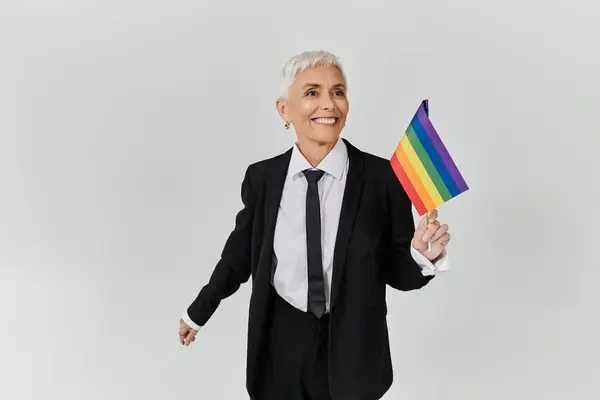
[[333, 164]]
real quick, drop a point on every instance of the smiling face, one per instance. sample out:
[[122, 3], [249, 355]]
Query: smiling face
[[316, 104]]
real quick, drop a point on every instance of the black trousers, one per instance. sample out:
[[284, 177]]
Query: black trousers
[[296, 365]]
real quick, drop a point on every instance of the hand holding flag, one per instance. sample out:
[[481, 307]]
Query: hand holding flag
[[430, 178], [431, 237]]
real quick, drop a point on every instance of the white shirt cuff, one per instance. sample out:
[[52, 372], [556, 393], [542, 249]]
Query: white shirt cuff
[[427, 267], [186, 318]]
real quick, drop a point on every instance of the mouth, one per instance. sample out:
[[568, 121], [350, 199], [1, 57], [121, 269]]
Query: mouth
[[325, 121]]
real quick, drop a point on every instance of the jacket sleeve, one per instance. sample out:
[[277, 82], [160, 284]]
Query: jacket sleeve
[[403, 272], [233, 268]]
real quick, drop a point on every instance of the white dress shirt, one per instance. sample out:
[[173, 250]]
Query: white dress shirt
[[291, 273]]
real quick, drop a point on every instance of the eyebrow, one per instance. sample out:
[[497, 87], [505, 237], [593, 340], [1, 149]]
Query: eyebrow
[[318, 85]]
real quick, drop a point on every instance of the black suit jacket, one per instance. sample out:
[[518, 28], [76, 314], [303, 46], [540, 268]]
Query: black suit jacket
[[372, 251]]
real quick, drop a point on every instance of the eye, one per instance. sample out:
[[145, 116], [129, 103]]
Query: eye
[[340, 93], [311, 91]]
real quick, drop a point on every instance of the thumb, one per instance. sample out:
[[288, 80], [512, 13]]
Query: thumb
[[432, 216], [183, 327]]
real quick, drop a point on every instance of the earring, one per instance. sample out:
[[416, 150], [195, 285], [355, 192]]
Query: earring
[[287, 125]]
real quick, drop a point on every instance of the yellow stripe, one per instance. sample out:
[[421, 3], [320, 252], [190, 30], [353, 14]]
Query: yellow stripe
[[414, 179], [421, 172]]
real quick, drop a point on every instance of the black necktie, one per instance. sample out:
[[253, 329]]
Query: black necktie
[[316, 285]]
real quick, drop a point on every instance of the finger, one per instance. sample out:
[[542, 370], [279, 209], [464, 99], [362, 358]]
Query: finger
[[182, 336], [183, 327], [441, 230], [431, 231], [183, 331], [444, 239], [189, 338], [447, 239]]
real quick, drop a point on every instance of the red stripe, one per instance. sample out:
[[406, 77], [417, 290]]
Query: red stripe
[[408, 187]]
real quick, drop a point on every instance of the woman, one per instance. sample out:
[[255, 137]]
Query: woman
[[324, 229]]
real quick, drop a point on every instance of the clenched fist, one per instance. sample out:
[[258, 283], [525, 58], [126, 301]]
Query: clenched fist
[[186, 333]]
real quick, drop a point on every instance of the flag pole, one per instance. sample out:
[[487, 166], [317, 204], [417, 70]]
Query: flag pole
[[429, 222]]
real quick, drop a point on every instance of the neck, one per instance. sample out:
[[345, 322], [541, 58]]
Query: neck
[[315, 152]]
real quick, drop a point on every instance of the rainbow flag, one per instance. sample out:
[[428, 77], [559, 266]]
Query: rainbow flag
[[424, 166]]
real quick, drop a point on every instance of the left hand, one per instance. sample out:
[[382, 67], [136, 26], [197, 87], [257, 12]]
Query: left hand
[[430, 229], [187, 334]]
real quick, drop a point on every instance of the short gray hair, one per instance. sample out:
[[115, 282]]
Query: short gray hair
[[302, 61]]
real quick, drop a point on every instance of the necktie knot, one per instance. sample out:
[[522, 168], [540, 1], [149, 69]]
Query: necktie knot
[[313, 176]]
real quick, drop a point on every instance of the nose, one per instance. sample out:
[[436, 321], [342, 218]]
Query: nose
[[327, 103]]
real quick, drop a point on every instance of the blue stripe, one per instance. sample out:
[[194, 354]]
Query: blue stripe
[[434, 156]]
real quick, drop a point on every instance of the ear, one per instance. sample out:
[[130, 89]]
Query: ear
[[281, 106]]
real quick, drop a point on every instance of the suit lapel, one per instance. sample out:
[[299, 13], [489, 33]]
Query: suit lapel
[[350, 202], [276, 174]]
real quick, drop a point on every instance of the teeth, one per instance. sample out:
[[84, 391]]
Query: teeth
[[324, 120]]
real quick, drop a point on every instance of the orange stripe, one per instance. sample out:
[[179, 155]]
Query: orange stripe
[[417, 164], [408, 187], [414, 178]]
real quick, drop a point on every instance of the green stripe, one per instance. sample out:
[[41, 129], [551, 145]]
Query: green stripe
[[428, 164]]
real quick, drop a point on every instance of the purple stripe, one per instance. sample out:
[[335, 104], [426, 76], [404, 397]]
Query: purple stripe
[[441, 149]]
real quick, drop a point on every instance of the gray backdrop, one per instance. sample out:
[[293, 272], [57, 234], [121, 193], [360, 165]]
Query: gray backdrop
[[125, 130]]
